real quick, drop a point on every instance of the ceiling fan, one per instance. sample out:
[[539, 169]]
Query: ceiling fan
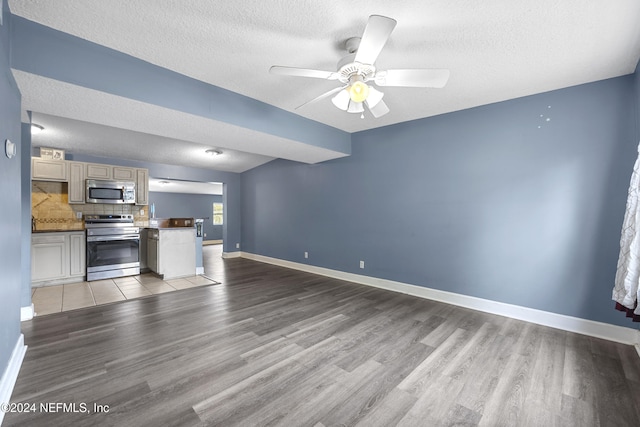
[[357, 72]]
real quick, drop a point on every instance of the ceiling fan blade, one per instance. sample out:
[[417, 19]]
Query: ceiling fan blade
[[378, 110], [303, 72], [435, 78], [323, 96], [375, 35]]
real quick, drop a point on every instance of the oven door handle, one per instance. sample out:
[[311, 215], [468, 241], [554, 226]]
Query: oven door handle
[[113, 238]]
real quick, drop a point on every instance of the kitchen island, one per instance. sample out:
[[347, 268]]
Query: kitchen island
[[171, 252]]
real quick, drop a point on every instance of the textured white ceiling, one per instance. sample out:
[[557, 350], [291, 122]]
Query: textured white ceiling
[[496, 49], [74, 136]]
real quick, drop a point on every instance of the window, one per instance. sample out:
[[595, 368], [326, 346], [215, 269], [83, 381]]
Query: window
[[218, 214]]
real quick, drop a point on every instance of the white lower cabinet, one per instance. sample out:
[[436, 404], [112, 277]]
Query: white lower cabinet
[[57, 257], [49, 257], [77, 255]]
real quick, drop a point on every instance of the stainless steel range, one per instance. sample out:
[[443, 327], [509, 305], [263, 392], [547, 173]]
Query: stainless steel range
[[113, 245]]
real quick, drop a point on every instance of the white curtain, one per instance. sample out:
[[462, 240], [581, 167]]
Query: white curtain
[[626, 291]]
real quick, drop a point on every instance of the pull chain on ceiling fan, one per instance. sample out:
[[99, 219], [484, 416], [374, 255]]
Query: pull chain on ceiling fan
[[357, 72]]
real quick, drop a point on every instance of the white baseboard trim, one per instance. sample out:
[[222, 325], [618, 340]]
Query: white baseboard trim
[[10, 374], [236, 254], [199, 270], [559, 321], [26, 313]]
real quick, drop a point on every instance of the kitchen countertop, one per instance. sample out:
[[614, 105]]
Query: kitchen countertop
[[55, 231]]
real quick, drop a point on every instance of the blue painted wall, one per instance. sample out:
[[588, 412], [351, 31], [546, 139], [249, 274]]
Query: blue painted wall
[[10, 216], [494, 202], [178, 205]]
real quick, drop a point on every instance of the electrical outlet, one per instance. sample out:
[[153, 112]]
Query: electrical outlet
[[306, 254], [78, 215], [205, 234], [141, 212], [237, 245], [361, 264]]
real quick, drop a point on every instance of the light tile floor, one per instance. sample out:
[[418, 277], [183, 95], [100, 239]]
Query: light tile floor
[[54, 299]]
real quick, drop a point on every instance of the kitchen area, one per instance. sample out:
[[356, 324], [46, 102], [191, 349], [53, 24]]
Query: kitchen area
[[94, 240]]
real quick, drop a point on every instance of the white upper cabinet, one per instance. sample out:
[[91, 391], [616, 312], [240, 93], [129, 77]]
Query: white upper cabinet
[[76, 182], [142, 187], [98, 171], [48, 170], [124, 174], [76, 174]]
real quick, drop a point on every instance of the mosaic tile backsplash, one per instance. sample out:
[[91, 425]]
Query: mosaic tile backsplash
[[51, 210]]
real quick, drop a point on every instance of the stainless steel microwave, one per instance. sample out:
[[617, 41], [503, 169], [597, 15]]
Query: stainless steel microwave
[[112, 192]]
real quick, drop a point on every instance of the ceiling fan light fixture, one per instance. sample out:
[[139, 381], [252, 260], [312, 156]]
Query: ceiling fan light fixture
[[375, 96], [359, 91], [341, 100], [355, 107], [358, 67]]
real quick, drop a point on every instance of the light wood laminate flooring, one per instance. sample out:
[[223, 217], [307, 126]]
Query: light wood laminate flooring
[[273, 346]]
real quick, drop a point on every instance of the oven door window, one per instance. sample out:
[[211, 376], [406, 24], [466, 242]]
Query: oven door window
[[112, 252]]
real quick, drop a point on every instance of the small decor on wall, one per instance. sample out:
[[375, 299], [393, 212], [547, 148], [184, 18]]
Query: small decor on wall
[[10, 149], [51, 153]]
